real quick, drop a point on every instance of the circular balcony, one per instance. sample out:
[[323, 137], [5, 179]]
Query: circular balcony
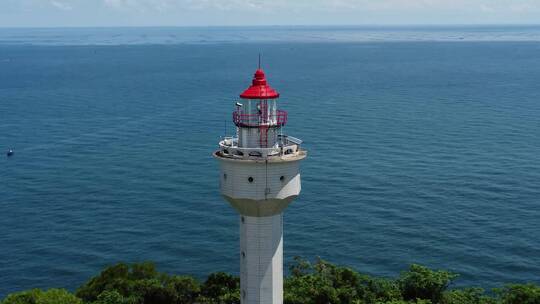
[[248, 120], [286, 146]]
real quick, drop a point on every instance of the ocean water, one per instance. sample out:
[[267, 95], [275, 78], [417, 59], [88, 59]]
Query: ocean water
[[424, 147]]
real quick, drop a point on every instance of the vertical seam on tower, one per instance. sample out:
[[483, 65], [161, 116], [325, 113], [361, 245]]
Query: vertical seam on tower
[[259, 277], [265, 198], [266, 179]]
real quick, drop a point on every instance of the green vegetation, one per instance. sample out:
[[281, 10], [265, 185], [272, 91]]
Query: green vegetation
[[309, 283], [36, 296]]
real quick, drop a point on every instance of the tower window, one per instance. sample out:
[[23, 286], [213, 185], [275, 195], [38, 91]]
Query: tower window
[[224, 175], [250, 179], [242, 219], [243, 254], [282, 178]]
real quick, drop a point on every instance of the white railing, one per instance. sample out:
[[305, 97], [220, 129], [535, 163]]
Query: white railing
[[286, 145], [288, 138]]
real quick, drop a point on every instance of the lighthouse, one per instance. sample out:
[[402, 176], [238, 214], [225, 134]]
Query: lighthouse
[[260, 177]]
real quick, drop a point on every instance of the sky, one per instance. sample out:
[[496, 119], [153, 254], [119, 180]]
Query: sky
[[74, 13]]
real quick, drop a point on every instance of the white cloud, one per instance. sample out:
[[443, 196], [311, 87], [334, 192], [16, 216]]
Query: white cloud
[[142, 5], [178, 5], [260, 12], [62, 5], [319, 5]]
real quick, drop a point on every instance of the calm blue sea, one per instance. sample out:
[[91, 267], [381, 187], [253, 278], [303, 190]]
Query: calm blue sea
[[424, 147]]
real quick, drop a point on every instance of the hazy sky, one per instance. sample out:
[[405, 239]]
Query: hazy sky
[[15, 13]]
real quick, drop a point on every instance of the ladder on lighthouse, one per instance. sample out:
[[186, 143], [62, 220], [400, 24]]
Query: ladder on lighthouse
[[263, 125]]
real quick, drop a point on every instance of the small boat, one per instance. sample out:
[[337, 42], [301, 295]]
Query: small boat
[[9, 152]]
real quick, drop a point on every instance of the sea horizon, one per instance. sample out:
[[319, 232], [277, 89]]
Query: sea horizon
[[171, 35]]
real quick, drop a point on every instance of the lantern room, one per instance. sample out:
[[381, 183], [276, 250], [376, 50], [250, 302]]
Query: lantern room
[[257, 116]]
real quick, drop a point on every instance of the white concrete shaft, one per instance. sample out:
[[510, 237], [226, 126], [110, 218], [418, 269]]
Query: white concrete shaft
[[261, 259], [260, 187]]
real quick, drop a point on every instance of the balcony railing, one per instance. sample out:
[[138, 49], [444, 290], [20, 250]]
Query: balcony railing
[[249, 120], [286, 145]]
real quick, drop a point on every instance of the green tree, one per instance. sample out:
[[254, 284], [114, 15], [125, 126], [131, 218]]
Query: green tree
[[113, 278], [37, 296], [422, 283], [419, 301], [300, 267], [309, 283], [220, 288], [112, 297], [139, 283], [519, 294], [466, 296], [324, 283], [185, 288]]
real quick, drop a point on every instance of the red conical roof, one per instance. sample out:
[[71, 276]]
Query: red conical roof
[[259, 89]]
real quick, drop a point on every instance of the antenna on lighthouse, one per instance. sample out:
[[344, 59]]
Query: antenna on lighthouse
[[259, 61]]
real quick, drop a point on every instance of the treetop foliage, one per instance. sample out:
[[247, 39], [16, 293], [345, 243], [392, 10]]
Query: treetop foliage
[[319, 282]]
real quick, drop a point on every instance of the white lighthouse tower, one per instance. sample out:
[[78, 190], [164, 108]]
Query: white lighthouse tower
[[259, 177]]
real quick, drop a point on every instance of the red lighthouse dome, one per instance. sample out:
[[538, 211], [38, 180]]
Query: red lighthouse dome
[[259, 88]]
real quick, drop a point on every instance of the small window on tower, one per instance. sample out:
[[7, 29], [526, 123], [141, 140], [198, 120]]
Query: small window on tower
[[250, 179], [282, 178], [243, 254], [224, 175]]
